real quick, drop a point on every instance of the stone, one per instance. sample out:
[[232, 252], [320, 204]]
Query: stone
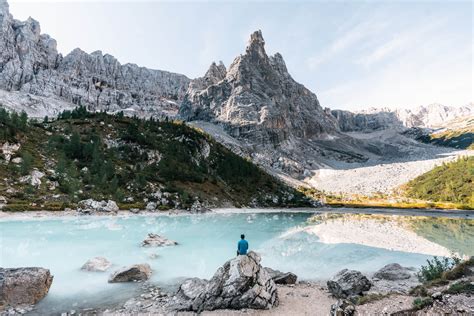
[[151, 206], [348, 283], [136, 272], [342, 308], [90, 206], [393, 271], [155, 240], [17, 160], [240, 283], [8, 150], [3, 201], [97, 264], [197, 207], [23, 286], [282, 277]]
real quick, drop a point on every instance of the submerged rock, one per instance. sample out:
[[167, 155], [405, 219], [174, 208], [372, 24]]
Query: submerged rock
[[136, 272], [282, 277], [348, 283], [23, 286], [97, 264], [240, 283], [393, 271], [155, 240]]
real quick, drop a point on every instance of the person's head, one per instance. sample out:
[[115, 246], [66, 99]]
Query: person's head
[[242, 236]]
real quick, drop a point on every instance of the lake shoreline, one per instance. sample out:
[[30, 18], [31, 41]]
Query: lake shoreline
[[466, 214]]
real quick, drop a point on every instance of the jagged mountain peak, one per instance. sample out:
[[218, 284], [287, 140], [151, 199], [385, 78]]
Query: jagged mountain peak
[[258, 100], [256, 45]]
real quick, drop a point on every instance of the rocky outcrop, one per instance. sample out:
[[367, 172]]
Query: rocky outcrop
[[155, 240], [282, 277], [31, 65], [240, 283], [90, 206], [256, 99], [97, 264], [348, 283], [136, 272], [23, 286], [8, 150]]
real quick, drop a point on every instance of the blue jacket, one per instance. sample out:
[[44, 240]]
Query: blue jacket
[[242, 247]]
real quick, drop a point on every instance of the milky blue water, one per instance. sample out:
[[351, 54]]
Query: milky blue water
[[206, 241]]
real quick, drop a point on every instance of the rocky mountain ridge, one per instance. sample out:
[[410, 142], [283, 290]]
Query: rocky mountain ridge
[[31, 66], [431, 116]]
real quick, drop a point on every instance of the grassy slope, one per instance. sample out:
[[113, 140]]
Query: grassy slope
[[450, 182], [145, 156]]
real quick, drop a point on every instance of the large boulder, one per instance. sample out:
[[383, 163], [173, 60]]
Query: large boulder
[[240, 283], [97, 264], [392, 272], [23, 286], [91, 206], [155, 240], [282, 277], [348, 283], [136, 272]]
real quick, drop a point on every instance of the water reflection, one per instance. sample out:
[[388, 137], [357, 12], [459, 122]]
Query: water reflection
[[414, 234]]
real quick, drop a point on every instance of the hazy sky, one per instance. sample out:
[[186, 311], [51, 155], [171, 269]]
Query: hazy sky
[[351, 54]]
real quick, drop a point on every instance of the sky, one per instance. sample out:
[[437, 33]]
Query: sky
[[352, 54]]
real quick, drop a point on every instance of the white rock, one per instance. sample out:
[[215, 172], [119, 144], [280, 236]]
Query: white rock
[[97, 264]]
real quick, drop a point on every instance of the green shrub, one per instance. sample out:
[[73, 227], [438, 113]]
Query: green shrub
[[461, 287], [436, 267]]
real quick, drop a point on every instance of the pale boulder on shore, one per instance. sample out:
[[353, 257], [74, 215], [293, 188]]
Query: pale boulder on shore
[[23, 286]]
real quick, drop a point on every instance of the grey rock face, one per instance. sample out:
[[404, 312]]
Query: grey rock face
[[393, 271], [430, 116], [348, 283], [23, 286], [30, 63], [240, 283], [136, 272], [257, 100]]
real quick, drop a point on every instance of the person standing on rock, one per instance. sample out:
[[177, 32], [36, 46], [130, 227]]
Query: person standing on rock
[[242, 246]]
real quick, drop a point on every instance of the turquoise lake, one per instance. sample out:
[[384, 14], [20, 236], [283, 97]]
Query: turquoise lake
[[206, 241]]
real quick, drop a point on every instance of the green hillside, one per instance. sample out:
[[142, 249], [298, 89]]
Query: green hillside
[[95, 155], [450, 182]]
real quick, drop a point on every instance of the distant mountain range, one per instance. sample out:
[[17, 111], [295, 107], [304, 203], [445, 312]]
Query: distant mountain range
[[254, 106]]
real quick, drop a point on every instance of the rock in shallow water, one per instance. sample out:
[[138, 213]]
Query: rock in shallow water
[[136, 272], [155, 240], [240, 283], [97, 264], [23, 286], [348, 283]]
